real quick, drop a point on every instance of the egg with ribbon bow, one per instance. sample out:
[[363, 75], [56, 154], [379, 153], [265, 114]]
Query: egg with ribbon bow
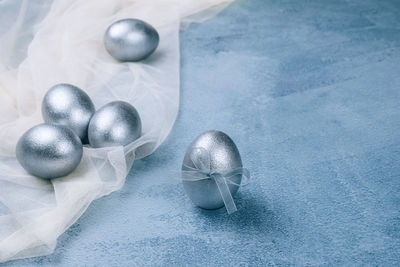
[[212, 171]]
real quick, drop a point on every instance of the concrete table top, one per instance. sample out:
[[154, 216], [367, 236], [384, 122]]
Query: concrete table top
[[310, 93]]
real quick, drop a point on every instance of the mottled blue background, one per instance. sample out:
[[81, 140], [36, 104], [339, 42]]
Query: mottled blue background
[[310, 92]]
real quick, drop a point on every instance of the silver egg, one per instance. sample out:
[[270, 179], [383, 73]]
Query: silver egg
[[49, 150], [131, 39], [223, 156], [70, 106], [115, 124]]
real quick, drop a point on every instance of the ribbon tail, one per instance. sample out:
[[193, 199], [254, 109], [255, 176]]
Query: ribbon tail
[[239, 171], [225, 193]]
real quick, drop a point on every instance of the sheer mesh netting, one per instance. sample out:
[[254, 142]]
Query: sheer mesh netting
[[46, 42]]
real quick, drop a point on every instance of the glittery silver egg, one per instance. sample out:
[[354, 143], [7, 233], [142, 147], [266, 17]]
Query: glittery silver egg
[[131, 39], [49, 150], [223, 157], [70, 106], [115, 124]]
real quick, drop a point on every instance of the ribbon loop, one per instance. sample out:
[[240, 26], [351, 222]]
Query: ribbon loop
[[200, 158]]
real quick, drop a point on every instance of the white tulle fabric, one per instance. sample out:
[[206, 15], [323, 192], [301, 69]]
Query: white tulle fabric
[[46, 42]]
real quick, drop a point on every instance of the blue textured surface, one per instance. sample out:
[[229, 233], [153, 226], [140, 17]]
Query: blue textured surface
[[310, 92]]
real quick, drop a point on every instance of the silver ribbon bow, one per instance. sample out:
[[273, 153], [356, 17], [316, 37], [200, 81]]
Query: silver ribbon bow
[[202, 171]]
